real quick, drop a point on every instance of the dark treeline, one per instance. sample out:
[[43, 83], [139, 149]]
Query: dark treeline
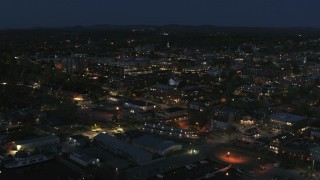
[[62, 41]]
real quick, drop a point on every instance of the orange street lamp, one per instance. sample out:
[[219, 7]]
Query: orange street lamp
[[228, 154]]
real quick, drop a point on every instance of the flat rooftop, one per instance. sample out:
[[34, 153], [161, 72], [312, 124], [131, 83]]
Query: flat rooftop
[[139, 102], [287, 117]]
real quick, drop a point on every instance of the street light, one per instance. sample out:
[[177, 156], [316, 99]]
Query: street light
[[228, 154], [197, 124]]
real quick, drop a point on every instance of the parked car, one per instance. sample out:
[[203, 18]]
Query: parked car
[[277, 164]]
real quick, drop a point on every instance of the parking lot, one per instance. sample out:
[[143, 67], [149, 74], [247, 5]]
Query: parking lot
[[162, 165]]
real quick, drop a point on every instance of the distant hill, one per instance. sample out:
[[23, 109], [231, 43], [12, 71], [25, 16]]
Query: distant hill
[[201, 28], [187, 29]]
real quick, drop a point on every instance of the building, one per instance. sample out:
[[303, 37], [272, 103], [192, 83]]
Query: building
[[136, 114], [157, 145], [115, 100], [222, 119], [165, 92], [221, 124], [189, 93], [286, 122], [139, 104], [197, 105], [3, 138], [5, 124], [122, 148], [250, 135], [145, 49], [247, 120], [315, 153], [297, 148], [196, 70], [31, 144], [315, 132], [163, 130], [128, 66], [174, 81], [173, 114], [278, 141], [83, 159], [79, 140]]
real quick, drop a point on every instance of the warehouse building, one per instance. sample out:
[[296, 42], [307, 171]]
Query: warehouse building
[[31, 144], [157, 145], [122, 148]]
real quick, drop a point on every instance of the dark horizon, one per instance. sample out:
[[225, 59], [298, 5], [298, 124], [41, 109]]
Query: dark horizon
[[113, 26]]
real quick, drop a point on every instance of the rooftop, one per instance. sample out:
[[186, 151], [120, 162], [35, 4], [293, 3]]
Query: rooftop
[[45, 138], [174, 109], [139, 102], [122, 146], [287, 117], [153, 142], [162, 86]]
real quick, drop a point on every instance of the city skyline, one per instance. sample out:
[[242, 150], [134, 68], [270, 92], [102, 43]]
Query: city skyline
[[285, 13], [180, 89]]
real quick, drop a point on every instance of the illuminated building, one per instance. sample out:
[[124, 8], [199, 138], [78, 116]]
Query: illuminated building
[[31, 144], [286, 122], [173, 114]]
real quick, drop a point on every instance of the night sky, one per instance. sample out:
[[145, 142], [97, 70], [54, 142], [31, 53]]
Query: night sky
[[258, 13]]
